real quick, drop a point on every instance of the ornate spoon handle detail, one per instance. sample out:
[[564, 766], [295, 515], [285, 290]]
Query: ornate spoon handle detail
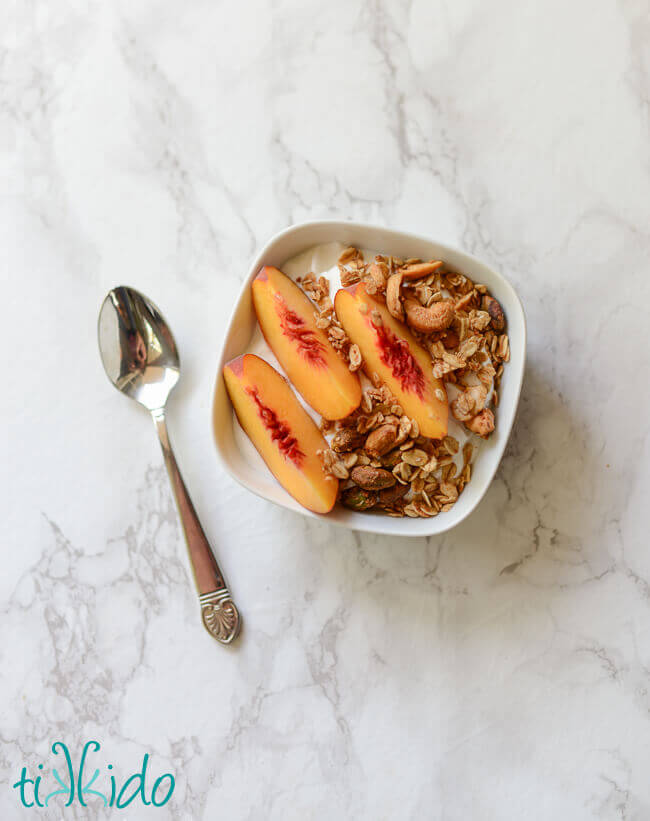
[[218, 611], [220, 615]]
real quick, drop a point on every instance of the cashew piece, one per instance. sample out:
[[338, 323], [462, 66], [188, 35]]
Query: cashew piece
[[393, 303], [437, 317]]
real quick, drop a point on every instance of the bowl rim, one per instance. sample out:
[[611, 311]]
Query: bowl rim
[[366, 524]]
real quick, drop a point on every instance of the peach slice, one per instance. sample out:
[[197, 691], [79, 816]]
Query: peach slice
[[284, 434], [391, 351], [287, 320]]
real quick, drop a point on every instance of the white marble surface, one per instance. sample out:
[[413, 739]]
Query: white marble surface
[[501, 671]]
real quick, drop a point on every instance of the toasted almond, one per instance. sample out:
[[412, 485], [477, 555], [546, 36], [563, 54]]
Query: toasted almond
[[346, 439], [381, 440], [372, 478]]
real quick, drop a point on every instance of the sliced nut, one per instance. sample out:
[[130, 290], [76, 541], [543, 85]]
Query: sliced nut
[[429, 320], [482, 424], [421, 269], [346, 439], [381, 440], [370, 478], [393, 302], [497, 317], [357, 498]]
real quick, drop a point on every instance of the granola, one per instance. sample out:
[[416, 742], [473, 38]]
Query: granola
[[377, 452]]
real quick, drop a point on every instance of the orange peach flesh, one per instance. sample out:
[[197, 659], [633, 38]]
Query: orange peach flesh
[[391, 351], [318, 373], [283, 433]]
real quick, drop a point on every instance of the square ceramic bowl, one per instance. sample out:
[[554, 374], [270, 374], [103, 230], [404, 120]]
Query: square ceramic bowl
[[298, 238]]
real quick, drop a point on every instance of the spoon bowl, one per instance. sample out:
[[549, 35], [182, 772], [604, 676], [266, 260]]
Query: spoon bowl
[[137, 348]]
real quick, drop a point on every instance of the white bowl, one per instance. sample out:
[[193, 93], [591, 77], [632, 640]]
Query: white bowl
[[298, 238]]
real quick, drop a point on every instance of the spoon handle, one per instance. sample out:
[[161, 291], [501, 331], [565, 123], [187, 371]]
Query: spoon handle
[[220, 615]]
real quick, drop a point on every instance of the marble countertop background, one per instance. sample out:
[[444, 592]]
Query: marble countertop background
[[501, 671]]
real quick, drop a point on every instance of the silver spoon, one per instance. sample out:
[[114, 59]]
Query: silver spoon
[[140, 358]]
